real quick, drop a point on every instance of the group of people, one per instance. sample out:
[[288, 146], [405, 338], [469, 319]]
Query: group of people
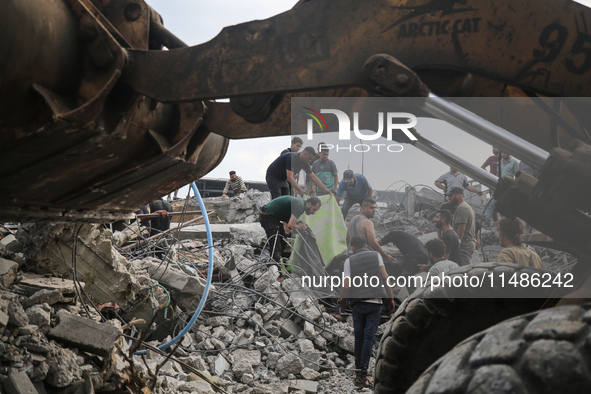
[[455, 223], [321, 176]]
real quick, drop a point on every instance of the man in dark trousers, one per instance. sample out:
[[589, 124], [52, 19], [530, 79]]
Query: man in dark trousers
[[280, 216], [364, 287]]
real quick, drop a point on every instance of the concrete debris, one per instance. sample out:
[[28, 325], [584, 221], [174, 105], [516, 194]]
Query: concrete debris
[[63, 311], [221, 365], [19, 383], [84, 334], [63, 368], [44, 296], [98, 264], [289, 364], [8, 270], [242, 209], [306, 386], [39, 315], [11, 244]]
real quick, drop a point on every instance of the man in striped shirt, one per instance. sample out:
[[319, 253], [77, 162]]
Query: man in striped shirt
[[236, 184]]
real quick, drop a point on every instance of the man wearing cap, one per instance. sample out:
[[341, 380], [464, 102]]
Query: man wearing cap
[[463, 223], [454, 178], [282, 171], [357, 188], [236, 184]]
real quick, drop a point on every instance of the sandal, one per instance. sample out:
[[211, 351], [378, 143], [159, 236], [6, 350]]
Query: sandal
[[363, 383]]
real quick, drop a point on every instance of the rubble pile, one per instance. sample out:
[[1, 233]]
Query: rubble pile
[[242, 209], [78, 312]]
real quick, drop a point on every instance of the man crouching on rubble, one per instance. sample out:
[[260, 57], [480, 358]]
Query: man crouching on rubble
[[280, 216], [365, 285]]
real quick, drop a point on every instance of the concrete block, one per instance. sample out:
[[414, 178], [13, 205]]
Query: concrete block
[[252, 357], [310, 374], [221, 365], [289, 328], [39, 315], [85, 334], [347, 343], [177, 280], [311, 360], [11, 244], [18, 383], [288, 364], [8, 270], [218, 231], [305, 385], [3, 319], [17, 315]]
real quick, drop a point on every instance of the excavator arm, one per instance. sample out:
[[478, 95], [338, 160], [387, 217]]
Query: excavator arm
[[97, 119]]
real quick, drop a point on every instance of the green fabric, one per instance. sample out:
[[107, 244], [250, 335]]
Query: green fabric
[[329, 229]]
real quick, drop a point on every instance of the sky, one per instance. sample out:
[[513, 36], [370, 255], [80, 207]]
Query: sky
[[196, 22]]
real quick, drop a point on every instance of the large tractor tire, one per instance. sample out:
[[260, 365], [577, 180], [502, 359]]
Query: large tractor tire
[[423, 329], [542, 352]]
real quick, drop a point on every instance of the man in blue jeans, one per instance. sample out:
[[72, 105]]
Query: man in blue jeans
[[364, 287]]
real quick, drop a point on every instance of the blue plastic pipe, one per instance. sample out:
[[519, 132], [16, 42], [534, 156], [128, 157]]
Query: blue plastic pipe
[[209, 276]]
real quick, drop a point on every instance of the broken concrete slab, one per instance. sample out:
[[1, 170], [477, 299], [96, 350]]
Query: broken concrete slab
[[347, 343], [177, 280], [85, 334], [44, 296], [99, 265], [252, 234], [218, 231], [19, 383], [40, 282], [267, 279]]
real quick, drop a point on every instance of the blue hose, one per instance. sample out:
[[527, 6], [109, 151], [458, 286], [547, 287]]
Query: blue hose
[[207, 284]]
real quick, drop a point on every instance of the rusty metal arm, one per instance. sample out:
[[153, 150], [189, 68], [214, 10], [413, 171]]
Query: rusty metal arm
[[324, 44]]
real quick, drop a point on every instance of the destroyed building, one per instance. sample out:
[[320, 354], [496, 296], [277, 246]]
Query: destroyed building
[[74, 297], [104, 109]]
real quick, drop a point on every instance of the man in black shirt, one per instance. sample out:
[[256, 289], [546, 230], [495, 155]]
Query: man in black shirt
[[448, 236], [282, 171], [412, 250]]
